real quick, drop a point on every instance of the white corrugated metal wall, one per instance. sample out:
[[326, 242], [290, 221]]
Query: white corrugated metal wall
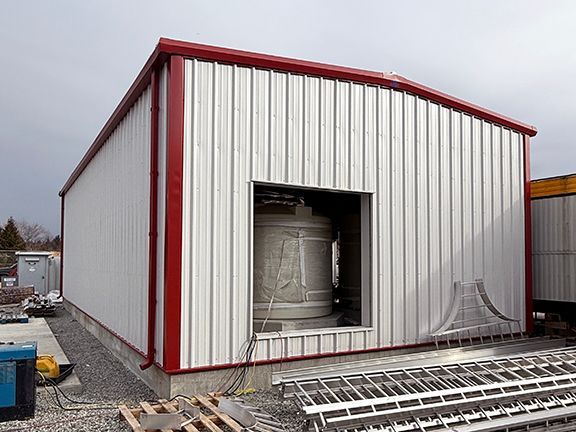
[[161, 209], [554, 248], [106, 225], [447, 202]]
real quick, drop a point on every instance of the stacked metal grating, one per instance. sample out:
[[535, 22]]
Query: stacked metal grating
[[535, 392]]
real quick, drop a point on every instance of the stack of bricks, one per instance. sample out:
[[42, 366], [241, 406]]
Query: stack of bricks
[[11, 295]]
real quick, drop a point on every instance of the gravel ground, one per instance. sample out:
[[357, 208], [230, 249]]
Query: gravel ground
[[106, 381], [104, 378], [274, 404]]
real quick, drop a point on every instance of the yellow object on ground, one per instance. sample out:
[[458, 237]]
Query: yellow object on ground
[[48, 366]]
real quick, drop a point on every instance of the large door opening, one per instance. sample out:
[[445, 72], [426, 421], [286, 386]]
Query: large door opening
[[311, 262]]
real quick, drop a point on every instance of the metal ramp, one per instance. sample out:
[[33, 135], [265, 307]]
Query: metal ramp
[[473, 315], [521, 392]]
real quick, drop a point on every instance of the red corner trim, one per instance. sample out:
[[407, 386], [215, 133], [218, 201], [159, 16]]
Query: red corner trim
[[173, 242], [528, 237]]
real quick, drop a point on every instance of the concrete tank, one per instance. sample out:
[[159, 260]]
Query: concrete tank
[[292, 263]]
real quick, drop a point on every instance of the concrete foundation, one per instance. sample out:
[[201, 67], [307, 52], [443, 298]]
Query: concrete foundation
[[154, 377], [169, 385]]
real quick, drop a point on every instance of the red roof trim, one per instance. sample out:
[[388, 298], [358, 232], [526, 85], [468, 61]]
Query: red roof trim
[[225, 55], [131, 96], [168, 47]]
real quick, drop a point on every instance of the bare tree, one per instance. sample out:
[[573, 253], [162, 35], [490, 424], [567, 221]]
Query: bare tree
[[35, 235]]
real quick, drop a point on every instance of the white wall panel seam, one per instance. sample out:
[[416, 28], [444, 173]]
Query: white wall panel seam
[[186, 209], [553, 249], [341, 161], [161, 217], [106, 222]]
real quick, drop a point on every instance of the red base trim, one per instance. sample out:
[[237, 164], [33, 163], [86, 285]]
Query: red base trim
[[109, 330], [315, 356], [294, 358], [258, 362]]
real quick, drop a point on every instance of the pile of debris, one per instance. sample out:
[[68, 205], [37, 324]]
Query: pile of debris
[[39, 306], [35, 305], [200, 413]]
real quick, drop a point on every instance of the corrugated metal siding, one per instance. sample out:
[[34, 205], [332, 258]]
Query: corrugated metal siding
[[554, 248], [106, 229], [447, 202]]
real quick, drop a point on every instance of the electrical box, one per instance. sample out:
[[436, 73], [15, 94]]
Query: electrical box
[[39, 269], [17, 380]]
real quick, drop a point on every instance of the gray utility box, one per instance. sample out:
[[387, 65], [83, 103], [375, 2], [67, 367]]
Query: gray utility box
[[37, 269]]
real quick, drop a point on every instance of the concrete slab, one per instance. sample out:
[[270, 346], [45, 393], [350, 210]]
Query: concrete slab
[[37, 330]]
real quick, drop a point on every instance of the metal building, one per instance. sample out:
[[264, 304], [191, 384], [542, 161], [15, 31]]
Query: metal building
[[554, 239], [158, 217]]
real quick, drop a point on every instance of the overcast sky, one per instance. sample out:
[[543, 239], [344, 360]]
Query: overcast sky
[[64, 65]]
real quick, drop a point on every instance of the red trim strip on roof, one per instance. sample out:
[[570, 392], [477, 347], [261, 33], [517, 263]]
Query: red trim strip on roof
[[168, 47], [173, 242], [131, 96], [225, 55], [528, 237]]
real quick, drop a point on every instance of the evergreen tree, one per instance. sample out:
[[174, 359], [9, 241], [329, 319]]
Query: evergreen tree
[[55, 244], [10, 238]]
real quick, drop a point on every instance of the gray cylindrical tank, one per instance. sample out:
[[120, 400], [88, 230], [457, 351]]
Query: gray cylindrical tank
[[292, 263]]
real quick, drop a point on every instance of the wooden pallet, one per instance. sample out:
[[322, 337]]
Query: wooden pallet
[[210, 421]]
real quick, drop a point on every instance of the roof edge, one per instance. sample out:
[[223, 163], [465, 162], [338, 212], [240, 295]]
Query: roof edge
[[133, 93], [167, 47], [247, 58], [555, 177]]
